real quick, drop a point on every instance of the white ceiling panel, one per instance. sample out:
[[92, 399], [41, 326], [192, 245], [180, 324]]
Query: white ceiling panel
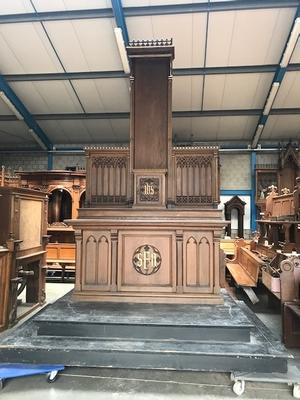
[[15, 7], [248, 37], [296, 54], [103, 95], [214, 128], [141, 3], [288, 95], [4, 109], [121, 129], [15, 133], [62, 5], [236, 91], [25, 48], [85, 45], [187, 93], [282, 127], [187, 30], [44, 97], [80, 131]]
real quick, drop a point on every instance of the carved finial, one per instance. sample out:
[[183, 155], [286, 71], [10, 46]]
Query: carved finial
[[285, 191]]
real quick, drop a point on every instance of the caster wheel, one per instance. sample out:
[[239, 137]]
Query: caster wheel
[[238, 387], [52, 376], [296, 390]]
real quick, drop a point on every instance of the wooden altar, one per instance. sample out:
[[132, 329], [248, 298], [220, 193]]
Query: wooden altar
[[151, 229]]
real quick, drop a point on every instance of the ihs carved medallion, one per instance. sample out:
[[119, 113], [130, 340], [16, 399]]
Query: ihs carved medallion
[[146, 259]]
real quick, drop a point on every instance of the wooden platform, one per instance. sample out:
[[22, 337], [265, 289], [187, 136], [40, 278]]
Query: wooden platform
[[221, 338]]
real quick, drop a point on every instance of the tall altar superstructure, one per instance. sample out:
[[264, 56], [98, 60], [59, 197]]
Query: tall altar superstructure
[[150, 230]]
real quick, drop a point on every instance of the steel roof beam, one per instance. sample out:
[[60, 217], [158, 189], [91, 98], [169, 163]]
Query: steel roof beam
[[61, 76], [21, 113], [288, 50], [120, 19], [148, 10], [175, 114]]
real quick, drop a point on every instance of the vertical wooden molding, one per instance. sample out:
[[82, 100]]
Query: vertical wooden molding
[[114, 259], [79, 262], [171, 171], [179, 247], [216, 262]]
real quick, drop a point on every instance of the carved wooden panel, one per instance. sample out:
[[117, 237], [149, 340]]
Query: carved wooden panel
[[164, 277], [198, 261], [107, 172], [30, 223], [96, 255], [196, 176]]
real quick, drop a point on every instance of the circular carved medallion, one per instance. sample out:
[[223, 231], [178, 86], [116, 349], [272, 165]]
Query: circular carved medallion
[[146, 259]]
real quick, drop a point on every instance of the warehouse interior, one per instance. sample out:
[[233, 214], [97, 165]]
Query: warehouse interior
[[66, 96]]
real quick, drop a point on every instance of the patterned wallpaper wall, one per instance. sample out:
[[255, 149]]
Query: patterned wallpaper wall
[[235, 171]]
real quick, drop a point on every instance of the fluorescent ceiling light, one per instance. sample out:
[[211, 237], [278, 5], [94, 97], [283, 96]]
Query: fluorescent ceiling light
[[11, 106], [271, 98], [122, 50], [291, 44], [257, 135], [37, 139]]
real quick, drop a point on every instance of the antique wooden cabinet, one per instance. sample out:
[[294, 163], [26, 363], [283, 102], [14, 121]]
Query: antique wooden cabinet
[[151, 228], [23, 239]]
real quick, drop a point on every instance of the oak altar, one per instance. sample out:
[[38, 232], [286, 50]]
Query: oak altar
[[150, 228]]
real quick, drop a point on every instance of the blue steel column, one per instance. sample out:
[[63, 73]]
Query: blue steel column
[[253, 191], [120, 19]]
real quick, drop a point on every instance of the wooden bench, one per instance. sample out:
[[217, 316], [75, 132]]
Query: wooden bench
[[245, 267], [61, 257]]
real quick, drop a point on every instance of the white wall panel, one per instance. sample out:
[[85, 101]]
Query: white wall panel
[[104, 95], [187, 30], [288, 95], [236, 91], [24, 48], [187, 93], [248, 37], [85, 45], [47, 97]]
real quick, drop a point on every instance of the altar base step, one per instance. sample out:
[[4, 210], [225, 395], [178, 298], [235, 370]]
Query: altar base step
[[222, 338]]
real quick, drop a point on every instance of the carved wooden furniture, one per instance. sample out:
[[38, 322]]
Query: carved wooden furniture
[[281, 220], [151, 229], [235, 203], [290, 297], [5, 262], [66, 191], [23, 228], [246, 265], [283, 175], [8, 179]]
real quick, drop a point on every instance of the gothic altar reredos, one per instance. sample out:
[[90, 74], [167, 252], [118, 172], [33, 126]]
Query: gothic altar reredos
[[150, 229]]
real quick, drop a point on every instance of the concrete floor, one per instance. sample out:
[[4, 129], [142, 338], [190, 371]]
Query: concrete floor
[[96, 383]]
